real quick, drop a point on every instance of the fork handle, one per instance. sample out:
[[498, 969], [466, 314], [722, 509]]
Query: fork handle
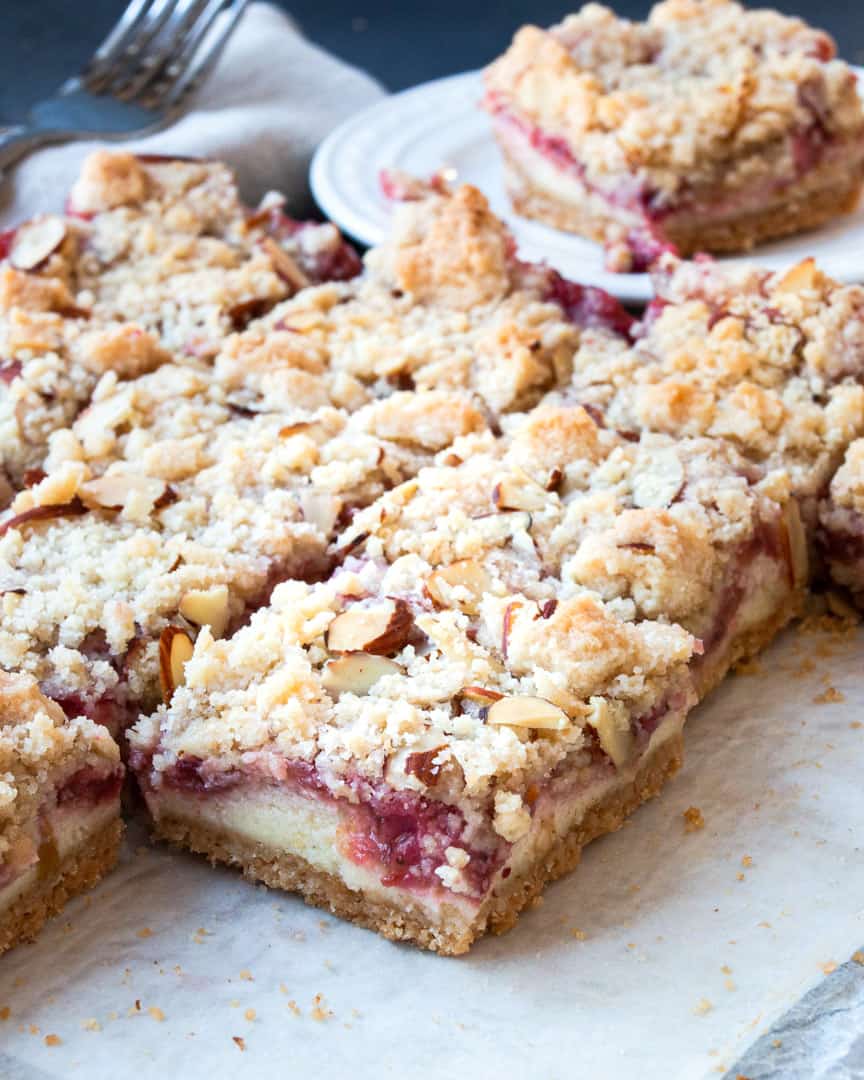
[[17, 141]]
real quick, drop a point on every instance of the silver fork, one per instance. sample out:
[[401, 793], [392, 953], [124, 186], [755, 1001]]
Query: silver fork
[[138, 80]]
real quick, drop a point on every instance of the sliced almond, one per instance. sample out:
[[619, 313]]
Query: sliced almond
[[794, 542], [207, 607], [422, 764], [43, 513], [284, 265], [481, 694], [519, 492], [528, 712], [611, 721], [507, 624], [659, 482], [115, 490], [175, 648], [294, 429], [36, 241], [461, 584], [356, 673], [320, 509], [801, 276], [382, 629]]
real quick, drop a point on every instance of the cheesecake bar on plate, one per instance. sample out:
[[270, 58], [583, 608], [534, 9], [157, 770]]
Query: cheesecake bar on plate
[[772, 363], [60, 822], [496, 671], [707, 128]]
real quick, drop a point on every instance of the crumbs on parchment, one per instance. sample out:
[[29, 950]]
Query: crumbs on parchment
[[319, 1010]]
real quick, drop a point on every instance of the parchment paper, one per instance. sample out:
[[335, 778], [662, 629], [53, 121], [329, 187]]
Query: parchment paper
[[664, 955]]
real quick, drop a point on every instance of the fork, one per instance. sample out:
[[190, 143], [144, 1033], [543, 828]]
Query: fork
[[139, 79]]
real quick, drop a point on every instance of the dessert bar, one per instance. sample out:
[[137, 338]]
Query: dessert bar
[[840, 531], [154, 259], [706, 128], [772, 363], [60, 824], [497, 671]]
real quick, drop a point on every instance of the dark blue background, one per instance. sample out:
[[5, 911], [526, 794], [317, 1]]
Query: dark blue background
[[45, 40]]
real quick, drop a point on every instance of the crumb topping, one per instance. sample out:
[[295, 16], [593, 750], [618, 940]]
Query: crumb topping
[[773, 363], [469, 585]]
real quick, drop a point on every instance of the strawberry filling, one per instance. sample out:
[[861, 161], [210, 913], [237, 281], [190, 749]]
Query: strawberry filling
[[89, 787], [400, 835], [648, 240]]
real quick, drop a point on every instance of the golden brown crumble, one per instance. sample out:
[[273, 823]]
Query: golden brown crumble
[[772, 363]]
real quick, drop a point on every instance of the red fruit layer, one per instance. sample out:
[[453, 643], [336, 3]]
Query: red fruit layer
[[399, 834]]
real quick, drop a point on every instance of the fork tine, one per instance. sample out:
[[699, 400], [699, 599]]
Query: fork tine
[[124, 60], [169, 42], [177, 64], [205, 60], [112, 51], [115, 41]]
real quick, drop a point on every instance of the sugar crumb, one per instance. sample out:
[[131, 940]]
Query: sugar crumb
[[246, 975], [703, 1008], [91, 1024], [858, 957], [156, 1013], [52, 1040], [693, 819], [829, 967], [319, 1010], [830, 696], [144, 932], [239, 1042], [249, 1014]]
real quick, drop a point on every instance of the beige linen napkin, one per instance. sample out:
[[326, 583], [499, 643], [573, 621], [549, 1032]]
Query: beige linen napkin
[[272, 98]]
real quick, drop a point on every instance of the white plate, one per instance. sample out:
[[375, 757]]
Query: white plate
[[439, 124]]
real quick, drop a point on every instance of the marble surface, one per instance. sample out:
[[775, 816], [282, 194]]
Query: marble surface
[[820, 1038]]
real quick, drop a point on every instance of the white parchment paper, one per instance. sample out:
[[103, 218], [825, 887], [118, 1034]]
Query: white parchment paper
[[664, 955]]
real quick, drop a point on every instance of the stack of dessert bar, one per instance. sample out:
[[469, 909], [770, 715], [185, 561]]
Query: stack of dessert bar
[[395, 585]]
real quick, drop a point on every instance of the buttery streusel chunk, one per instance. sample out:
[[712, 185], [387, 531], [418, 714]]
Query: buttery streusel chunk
[[773, 363], [708, 127], [512, 640], [59, 807]]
